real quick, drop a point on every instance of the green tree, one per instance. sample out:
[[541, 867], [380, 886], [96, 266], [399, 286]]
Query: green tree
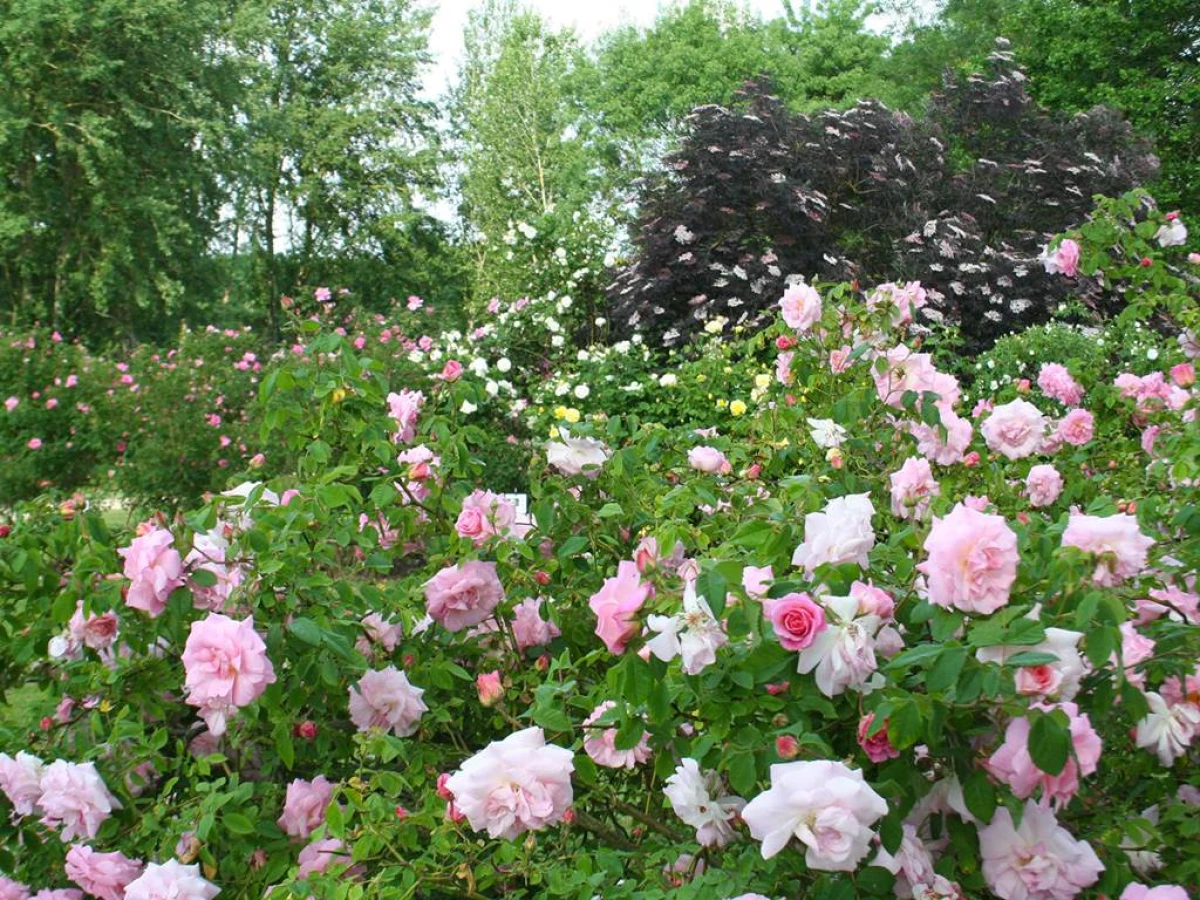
[[107, 191]]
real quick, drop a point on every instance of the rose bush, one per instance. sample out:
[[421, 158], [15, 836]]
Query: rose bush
[[735, 661]]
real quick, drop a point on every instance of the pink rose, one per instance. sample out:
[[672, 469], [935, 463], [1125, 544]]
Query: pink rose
[[801, 306], [58, 894], [405, 408], [171, 881], [1043, 484], [948, 448], [489, 688], [227, 668], [710, 460], [839, 360], [460, 596], [1038, 861], [1056, 382], [515, 785], [13, 890], [485, 514], [877, 747], [783, 367], [840, 533], [1161, 892], [908, 371], [1013, 764], [1183, 375], [901, 298], [304, 806], [1077, 427], [384, 699], [529, 628], [616, 605], [1116, 541], [20, 779], [75, 798], [1014, 429], [873, 601], [797, 620], [913, 489], [1063, 260], [154, 568], [378, 630], [103, 875], [452, 371], [972, 561], [600, 743], [318, 856]]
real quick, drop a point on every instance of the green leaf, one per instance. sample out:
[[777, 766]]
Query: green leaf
[[306, 630], [1050, 742], [203, 578], [980, 796], [237, 823], [742, 772], [944, 673]]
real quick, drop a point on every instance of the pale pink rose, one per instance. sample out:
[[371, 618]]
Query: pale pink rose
[[485, 514], [695, 796], [489, 688], [515, 785], [154, 568], [1168, 728], [103, 875], [1014, 429], [801, 306], [304, 806], [529, 628], [839, 360], [405, 408], [1043, 484], [600, 743], [208, 553], [693, 633], [385, 699], [756, 581], [1161, 892], [378, 630], [318, 856], [1077, 427], [842, 656], [616, 605], [1183, 374], [1013, 764], [1064, 259], [58, 894], [20, 779], [452, 371], [13, 890], [649, 556], [796, 619], [902, 299], [913, 489], [75, 799], [1056, 382], [1181, 605], [783, 367], [840, 533], [873, 601], [710, 460], [944, 449], [877, 746], [1136, 648], [1038, 861], [34, 444], [464, 595], [1038, 681], [972, 561], [825, 805], [1173, 234], [227, 668], [908, 371], [171, 881], [1116, 542], [11, 403], [577, 456]]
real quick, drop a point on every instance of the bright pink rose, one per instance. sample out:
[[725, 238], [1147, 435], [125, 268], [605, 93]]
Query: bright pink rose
[[825, 805], [1063, 260], [797, 620], [171, 881], [1038, 861], [600, 743], [1014, 429], [485, 514], [385, 699], [460, 596], [529, 628], [103, 875], [155, 569], [13, 890], [1183, 375], [972, 561], [913, 489], [710, 460], [1077, 427], [1056, 382], [452, 371], [1161, 892], [877, 746], [1013, 764], [405, 408], [1043, 484], [75, 798], [801, 306], [304, 806], [20, 779], [616, 605], [515, 785], [227, 667], [1116, 541], [318, 856]]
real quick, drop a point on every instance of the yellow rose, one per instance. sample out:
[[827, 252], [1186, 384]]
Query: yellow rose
[[571, 415], [737, 407]]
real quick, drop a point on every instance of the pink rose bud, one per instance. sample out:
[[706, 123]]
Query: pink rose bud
[[443, 791], [777, 687], [1023, 386], [787, 747], [258, 859], [785, 342], [877, 747], [789, 399], [1194, 259], [569, 816], [754, 471], [1183, 374], [542, 663], [489, 687], [257, 460], [47, 723], [5, 531], [1023, 517], [401, 813], [408, 660], [452, 371], [307, 730], [1147, 262], [1173, 215], [971, 459], [541, 577]]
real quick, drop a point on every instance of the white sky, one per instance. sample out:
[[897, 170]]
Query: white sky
[[589, 18]]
